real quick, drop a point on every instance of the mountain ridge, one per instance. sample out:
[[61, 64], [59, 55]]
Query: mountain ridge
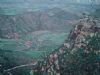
[[34, 21]]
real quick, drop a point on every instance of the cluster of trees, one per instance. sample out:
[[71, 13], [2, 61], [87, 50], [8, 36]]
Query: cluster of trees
[[85, 61]]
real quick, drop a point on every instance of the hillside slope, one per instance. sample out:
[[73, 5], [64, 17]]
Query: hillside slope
[[79, 55]]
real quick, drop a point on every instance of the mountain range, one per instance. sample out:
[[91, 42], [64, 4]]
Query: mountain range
[[54, 19]]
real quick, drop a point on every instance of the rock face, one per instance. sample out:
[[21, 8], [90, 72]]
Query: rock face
[[85, 28]]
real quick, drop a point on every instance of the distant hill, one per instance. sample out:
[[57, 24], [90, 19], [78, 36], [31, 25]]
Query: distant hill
[[51, 20]]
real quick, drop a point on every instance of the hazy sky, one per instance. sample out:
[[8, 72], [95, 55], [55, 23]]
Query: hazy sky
[[13, 6], [47, 1]]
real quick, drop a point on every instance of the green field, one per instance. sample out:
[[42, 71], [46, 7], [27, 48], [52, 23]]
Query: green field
[[49, 43]]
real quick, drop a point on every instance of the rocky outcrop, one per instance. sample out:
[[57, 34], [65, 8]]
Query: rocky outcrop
[[60, 61]]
